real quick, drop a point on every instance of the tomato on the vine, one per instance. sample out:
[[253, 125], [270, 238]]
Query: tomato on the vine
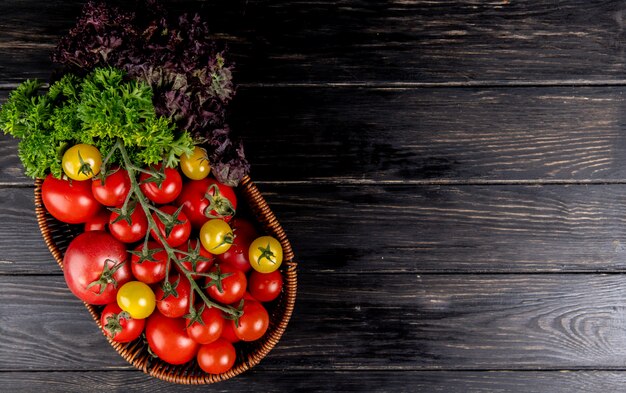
[[173, 226], [81, 162], [216, 236], [206, 326], [127, 232], [266, 254], [137, 299], [119, 325], [216, 357], [237, 255], [196, 165], [199, 260], [98, 222], [265, 287], [69, 201], [172, 297], [114, 190], [95, 265], [253, 323], [168, 189], [230, 288], [206, 199], [149, 264], [168, 339]]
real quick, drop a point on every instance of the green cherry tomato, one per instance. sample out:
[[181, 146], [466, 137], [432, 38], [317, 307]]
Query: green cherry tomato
[[195, 166], [81, 162], [137, 299], [266, 254], [216, 236]]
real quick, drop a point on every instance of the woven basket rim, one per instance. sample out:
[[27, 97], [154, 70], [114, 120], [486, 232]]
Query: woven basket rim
[[135, 352]]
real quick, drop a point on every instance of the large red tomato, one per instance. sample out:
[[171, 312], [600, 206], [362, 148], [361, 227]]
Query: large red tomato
[[205, 199], [95, 265], [168, 339], [69, 201]]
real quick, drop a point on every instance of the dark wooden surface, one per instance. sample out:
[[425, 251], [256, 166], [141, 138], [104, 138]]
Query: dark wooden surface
[[452, 176]]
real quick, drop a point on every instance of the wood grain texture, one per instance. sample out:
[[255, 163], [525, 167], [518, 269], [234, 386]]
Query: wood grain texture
[[400, 229], [367, 321], [302, 42], [441, 135], [332, 381]]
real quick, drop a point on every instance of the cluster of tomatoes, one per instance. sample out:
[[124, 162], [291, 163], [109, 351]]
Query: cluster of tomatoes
[[195, 287]]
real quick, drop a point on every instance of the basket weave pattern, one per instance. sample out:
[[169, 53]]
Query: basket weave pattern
[[58, 235]]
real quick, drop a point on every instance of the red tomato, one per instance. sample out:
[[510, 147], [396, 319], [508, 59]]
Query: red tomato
[[221, 203], [167, 338], [253, 323], [200, 262], [168, 191], [210, 327], [178, 233], [237, 255], [98, 222], [265, 287], [217, 357], [228, 332], [95, 265], [129, 233], [114, 190], [119, 325], [149, 267], [69, 201], [233, 286], [174, 303]]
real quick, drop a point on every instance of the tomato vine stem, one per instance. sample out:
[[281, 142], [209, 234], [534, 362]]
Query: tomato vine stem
[[152, 226]]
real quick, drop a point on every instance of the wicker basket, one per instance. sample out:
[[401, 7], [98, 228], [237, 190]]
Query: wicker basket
[[57, 236]]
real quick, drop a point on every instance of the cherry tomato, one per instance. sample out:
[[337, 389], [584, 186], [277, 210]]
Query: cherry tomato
[[119, 325], [175, 231], [265, 287], [238, 254], [266, 254], [172, 299], [98, 222], [149, 266], [200, 261], [253, 323], [228, 332], [136, 298], [208, 325], [114, 190], [196, 165], [129, 233], [168, 339], [95, 266], [205, 199], [233, 287], [69, 201], [216, 236], [169, 189], [216, 357], [81, 162]]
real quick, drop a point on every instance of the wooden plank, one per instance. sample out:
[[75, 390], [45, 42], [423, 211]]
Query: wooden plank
[[332, 381], [536, 135], [399, 229], [377, 42], [367, 321]]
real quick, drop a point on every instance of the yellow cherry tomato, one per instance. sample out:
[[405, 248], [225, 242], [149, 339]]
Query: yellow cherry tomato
[[81, 162], [216, 236], [137, 299], [195, 166], [266, 254]]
